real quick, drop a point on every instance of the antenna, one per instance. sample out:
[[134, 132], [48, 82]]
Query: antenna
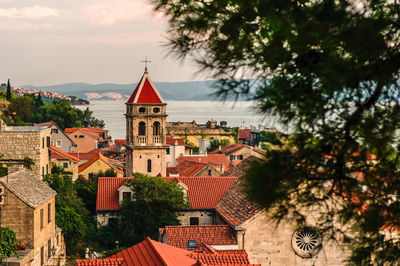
[[145, 61]]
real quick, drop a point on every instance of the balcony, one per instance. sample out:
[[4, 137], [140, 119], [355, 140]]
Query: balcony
[[141, 140], [157, 140]]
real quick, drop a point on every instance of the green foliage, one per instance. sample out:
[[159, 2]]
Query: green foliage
[[216, 143], [87, 119], [338, 92], [236, 134], [8, 243], [153, 206], [72, 223], [87, 191], [270, 137], [3, 167], [20, 108], [28, 163], [8, 95], [110, 172]]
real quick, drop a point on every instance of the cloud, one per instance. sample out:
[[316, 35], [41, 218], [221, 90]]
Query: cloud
[[30, 12], [111, 12]]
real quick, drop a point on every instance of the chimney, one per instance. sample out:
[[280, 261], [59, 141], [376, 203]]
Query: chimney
[[176, 143], [219, 147], [222, 168]]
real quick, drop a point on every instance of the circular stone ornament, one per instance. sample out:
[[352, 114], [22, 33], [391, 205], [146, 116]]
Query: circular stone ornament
[[306, 242]]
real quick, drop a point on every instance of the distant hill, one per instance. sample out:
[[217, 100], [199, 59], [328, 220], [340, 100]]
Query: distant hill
[[179, 91]]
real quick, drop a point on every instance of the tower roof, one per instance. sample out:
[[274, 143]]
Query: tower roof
[[145, 91]]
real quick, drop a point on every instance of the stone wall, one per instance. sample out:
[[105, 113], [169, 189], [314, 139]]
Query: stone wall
[[210, 170], [206, 217], [16, 145], [139, 158]]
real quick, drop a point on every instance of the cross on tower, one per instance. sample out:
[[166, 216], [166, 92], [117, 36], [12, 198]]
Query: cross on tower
[[145, 61]]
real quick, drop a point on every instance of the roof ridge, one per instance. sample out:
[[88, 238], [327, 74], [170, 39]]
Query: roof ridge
[[150, 241]]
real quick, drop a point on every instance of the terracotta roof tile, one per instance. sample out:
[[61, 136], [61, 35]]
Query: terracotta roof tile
[[120, 141], [244, 134], [186, 168], [107, 192], [58, 154], [235, 147], [178, 236], [214, 159], [86, 155], [171, 141], [98, 156], [100, 262], [222, 259]]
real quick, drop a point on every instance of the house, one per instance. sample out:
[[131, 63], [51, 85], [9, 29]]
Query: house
[[58, 137], [176, 148], [219, 161], [28, 208], [88, 138], [249, 136], [65, 160], [97, 163], [238, 152], [153, 253], [17, 143], [203, 195], [119, 145], [190, 168], [86, 156]]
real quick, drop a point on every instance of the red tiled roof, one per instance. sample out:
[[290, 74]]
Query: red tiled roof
[[221, 259], [235, 147], [178, 236], [150, 252], [100, 262], [120, 141], [145, 92], [171, 141], [49, 123], [214, 159], [186, 168], [59, 154], [244, 134], [204, 192], [98, 156], [86, 155]]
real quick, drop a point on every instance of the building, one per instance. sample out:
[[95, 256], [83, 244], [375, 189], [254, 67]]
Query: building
[[219, 161], [88, 138], [28, 208], [153, 253], [97, 163], [65, 160], [17, 143], [86, 156], [238, 152], [176, 148], [190, 168], [58, 137], [145, 130], [249, 136], [119, 145]]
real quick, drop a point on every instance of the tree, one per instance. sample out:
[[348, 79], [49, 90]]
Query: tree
[[20, 108], [330, 71], [8, 243], [154, 203], [8, 95], [216, 143], [88, 120]]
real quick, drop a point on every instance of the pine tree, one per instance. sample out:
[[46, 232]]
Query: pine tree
[[8, 95]]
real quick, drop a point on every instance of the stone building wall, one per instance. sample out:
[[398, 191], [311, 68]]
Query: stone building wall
[[16, 145], [18, 216], [206, 217], [156, 155], [210, 170], [269, 244], [246, 152], [72, 167]]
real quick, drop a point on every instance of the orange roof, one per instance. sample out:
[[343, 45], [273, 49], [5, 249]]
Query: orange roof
[[86, 155], [171, 141], [178, 236], [145, 91], [186, 168], [244, 134], [58, 154], [235, 147], [120, 141], [98, 262], [203, 192], [96, 157], [49, 123], [214, 159], [221, 259]]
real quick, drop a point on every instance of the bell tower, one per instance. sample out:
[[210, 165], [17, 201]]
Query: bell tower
[[145, 130]]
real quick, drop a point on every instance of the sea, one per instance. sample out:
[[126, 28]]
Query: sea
[[237, 114]]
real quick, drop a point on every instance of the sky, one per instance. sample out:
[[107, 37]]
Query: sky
[[49, 42]]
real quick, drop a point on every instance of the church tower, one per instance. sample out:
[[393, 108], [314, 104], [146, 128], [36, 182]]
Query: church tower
[[145, 130]]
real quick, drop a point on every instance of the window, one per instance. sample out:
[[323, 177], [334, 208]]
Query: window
[[47, 169], [167, 150], [1, 196], [52, 143], [239, 157], [149, 166], [156, 110], [194, 220], [232, 157], [142, 129], [156, 128], [142, 110], [42, 142], [192, 244], [49, 248], [41, 219], [81, 136], [76, 136], [49, 213], [65, 165], [42, 170], [126, 195], [54, 131], [209, 172], [42, 256], [58, 143], [91, 176], [48, 141]]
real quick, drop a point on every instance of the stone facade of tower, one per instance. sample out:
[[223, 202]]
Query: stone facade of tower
[[146, 115]]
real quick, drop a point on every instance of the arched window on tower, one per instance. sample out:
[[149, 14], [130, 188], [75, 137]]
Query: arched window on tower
[[156, 129], [149, 166], [142, 129]]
